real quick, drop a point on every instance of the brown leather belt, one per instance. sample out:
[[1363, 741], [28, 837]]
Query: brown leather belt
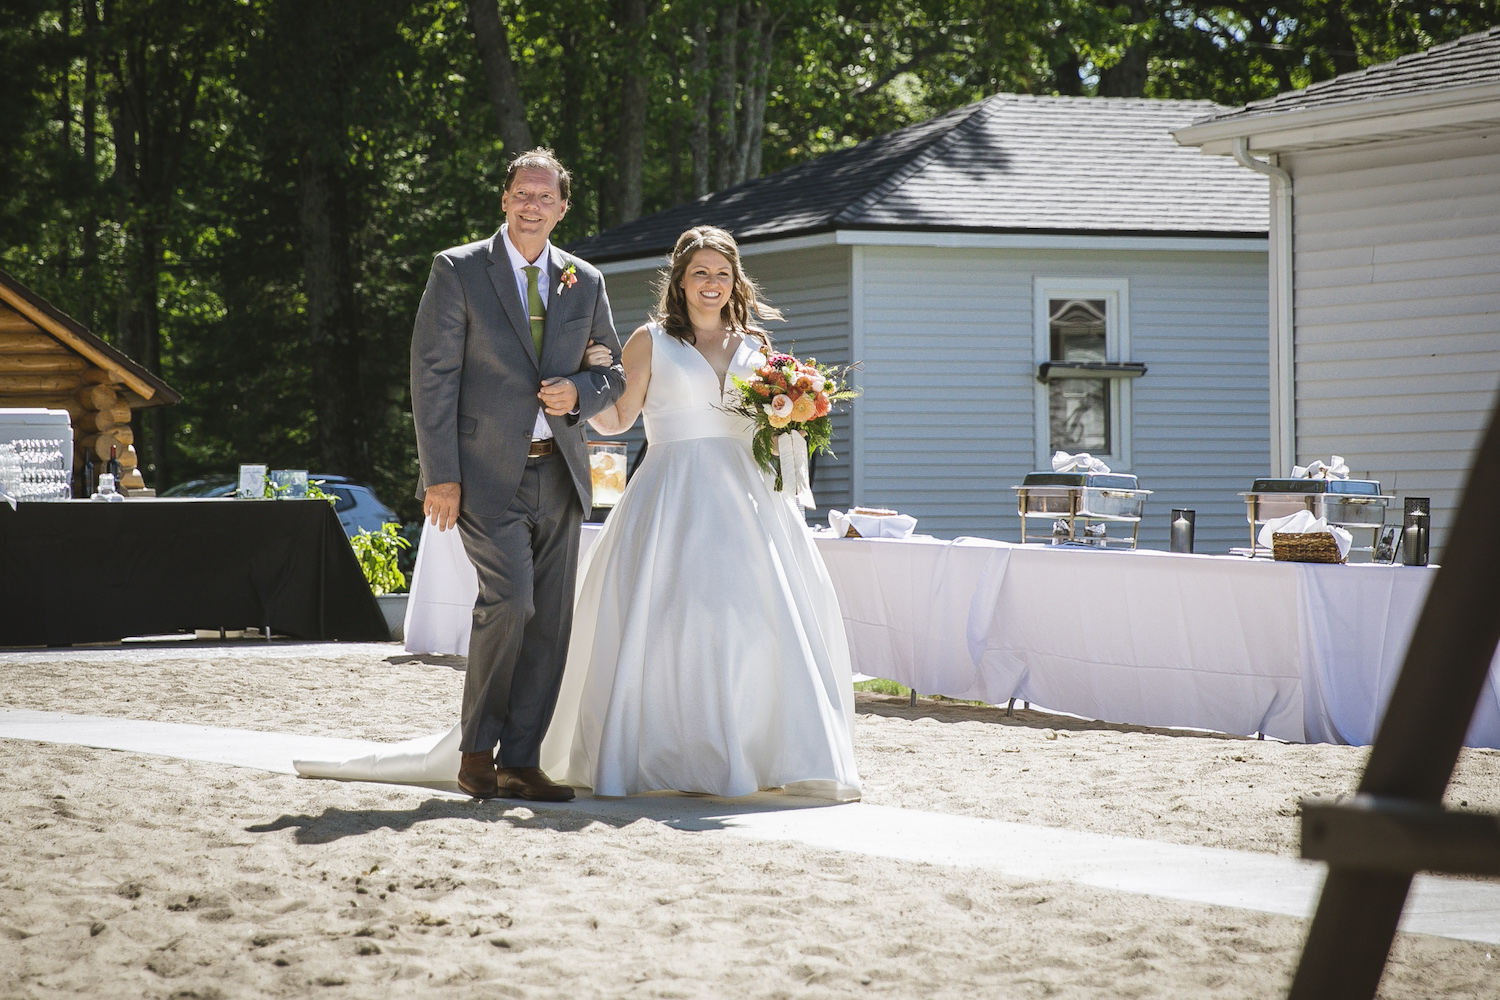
[[540, 448]]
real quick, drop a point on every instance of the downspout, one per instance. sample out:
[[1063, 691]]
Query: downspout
[[1283, 380]]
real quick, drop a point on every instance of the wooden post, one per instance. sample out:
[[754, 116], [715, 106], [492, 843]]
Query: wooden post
[[1414, 754]]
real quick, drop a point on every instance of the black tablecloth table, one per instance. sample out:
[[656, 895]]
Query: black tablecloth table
[[95, 572]]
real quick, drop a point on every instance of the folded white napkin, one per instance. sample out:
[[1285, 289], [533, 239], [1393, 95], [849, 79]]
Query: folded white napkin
[[1305, 523], [1081, 462], [1335, 469], [871, 526]]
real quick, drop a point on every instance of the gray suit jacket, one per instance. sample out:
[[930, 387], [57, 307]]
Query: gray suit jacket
[[475, 373]]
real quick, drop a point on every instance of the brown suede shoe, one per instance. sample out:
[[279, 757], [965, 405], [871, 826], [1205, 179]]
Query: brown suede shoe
[[476, 775], [531, 783]]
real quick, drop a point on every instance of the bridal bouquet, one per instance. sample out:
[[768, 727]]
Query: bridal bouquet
[[789, 402]]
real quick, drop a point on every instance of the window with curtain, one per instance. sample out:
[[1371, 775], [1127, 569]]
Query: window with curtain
[[1079, 408]]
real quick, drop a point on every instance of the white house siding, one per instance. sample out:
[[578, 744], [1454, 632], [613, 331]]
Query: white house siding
[[811, 286], [1397, 273], [947, 420]]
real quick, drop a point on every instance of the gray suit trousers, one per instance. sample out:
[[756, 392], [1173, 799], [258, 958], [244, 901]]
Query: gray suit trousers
[[527, 561]]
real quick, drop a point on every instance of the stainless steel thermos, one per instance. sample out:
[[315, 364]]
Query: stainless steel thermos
[[1416, 530], [1182, 530]]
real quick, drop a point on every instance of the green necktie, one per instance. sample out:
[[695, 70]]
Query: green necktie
[[534, 307]]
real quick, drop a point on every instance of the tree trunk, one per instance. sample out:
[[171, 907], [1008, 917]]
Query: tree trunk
[[676, 135], [633, 102], [155, 427], [328, 286], [630, 119], [722, 113], [65, 95], [1343, 50], [569, 136], [760, 48], [152, 105], [700, 96], [138, 329], [132, 161], [90, 222], [568, 144], [1065, 78], [500, 75], [1127, 78]]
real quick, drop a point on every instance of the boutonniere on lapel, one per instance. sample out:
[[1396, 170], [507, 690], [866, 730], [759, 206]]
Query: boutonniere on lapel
[[568, 279]]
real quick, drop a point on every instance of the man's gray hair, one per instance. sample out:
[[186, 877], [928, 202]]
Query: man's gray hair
[[540, 158]]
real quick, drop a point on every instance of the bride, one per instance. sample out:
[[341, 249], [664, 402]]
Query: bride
[[708, 651]]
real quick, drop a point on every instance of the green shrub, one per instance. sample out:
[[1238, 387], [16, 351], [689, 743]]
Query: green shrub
[[377, 553]]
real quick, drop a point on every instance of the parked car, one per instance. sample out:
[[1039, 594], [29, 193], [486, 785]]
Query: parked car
[[357, 506], [207, 486]]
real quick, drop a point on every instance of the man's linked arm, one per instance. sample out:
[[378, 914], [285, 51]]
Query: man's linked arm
[[601, 385], [437, 357]]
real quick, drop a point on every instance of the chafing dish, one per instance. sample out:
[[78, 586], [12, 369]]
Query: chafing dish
[[1086, 502], [1356, 505]]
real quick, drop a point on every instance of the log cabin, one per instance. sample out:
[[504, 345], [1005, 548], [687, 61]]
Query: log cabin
[[49, 359]]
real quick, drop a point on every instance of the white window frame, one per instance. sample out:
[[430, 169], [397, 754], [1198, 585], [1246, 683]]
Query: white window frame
[[1116, 294]]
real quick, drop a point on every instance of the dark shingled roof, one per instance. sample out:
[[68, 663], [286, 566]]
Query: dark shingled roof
[[1464, 62], [1009, 163]]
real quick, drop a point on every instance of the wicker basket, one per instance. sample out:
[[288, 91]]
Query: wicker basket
[[869, 512], [1311, 547]]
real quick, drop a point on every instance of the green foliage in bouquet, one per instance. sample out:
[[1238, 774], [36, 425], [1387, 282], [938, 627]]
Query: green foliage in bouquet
[[377, 553], [787, 395]]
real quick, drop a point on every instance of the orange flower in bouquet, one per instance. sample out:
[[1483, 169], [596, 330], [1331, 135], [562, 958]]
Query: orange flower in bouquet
[[786, 395]]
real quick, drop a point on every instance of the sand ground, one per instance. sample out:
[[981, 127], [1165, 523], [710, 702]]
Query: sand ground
[[124, 875]]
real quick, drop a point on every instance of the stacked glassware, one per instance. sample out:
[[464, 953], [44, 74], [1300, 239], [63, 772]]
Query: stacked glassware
[[45, 472], [10, 470]]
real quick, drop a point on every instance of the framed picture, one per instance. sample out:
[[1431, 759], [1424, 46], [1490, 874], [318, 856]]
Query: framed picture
[[252, 481]]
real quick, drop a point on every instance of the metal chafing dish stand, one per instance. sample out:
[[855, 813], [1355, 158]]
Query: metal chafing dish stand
[[1352, 504], [1082, 499]]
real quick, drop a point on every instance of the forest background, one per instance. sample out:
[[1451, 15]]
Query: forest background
[[245, 195]]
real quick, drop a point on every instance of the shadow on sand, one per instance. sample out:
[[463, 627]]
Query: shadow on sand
[[431, 660], [947, 711], [693, 813]]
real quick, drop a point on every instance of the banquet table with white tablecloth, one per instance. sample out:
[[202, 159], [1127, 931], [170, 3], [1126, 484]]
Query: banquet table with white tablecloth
[[1295, 651]]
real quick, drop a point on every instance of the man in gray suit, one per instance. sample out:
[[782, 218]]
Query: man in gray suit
[[500, 392]]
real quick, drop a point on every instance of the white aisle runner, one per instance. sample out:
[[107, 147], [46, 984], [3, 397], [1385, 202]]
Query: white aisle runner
[[1464, 910]]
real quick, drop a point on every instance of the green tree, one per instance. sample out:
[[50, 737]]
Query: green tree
[[247, 197]]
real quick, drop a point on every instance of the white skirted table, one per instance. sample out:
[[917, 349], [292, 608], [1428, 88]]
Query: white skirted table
[[1298, 652]]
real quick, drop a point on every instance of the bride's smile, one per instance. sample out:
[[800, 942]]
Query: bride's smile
[[707, 286]]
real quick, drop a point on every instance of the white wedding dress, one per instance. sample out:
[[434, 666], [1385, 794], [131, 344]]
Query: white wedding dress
[[708, 652]]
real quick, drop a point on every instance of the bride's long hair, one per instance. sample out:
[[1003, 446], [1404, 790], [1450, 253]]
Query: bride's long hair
[[744, 295]]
